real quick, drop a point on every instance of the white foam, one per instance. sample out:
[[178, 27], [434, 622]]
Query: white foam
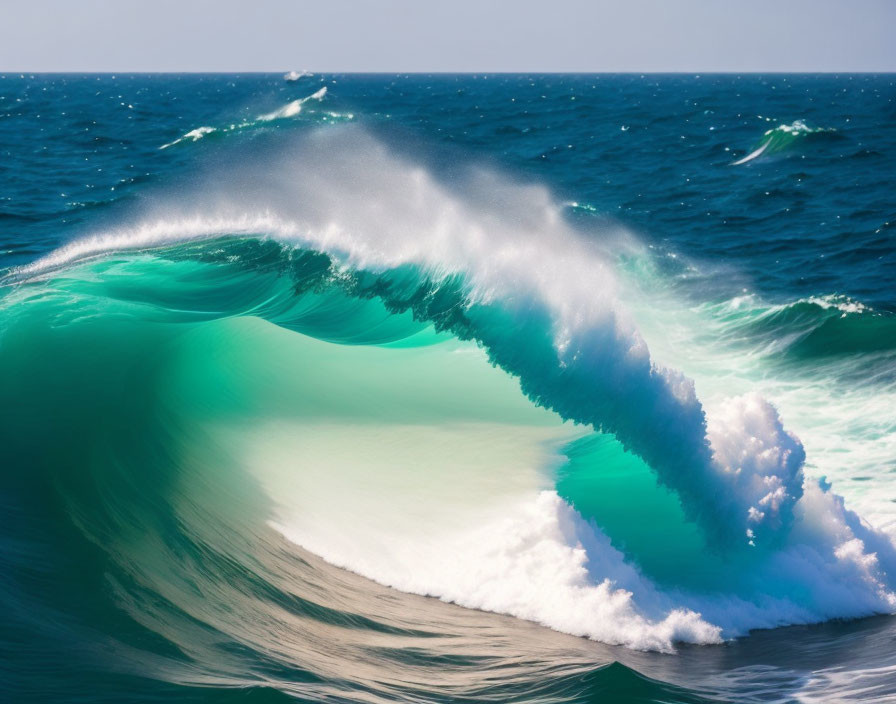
[[798, 127], [295, 75], [841, 303], [762, 461], [192, 135], [527, 561]]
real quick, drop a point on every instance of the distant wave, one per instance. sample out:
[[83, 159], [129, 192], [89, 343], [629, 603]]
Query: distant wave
[[813, 327], [295, 75], [783, 138], [291, 109]]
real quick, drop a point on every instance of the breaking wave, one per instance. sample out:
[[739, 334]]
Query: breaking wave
[[784, 138], [431, 383]]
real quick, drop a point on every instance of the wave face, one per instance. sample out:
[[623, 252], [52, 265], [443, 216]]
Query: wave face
[[297, 407]]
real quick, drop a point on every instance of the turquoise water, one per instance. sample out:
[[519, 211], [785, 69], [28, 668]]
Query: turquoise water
[[450, 388]]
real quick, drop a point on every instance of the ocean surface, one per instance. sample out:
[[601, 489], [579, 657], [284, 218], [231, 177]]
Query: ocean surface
[[452, 388]]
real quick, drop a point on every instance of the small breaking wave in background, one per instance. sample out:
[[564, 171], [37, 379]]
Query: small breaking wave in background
[[291, 109], [785, 139]]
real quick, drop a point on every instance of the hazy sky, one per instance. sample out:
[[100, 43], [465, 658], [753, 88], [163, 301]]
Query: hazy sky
[[460, 35]]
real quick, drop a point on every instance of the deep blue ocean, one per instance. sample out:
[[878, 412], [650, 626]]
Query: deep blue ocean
[[447, 388]]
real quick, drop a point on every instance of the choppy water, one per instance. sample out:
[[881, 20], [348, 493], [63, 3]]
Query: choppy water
[[448, 388]]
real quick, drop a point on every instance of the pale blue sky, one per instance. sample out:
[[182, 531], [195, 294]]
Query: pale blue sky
[[462, 35]]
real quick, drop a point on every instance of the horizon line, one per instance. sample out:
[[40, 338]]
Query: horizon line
[[627, 72]]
